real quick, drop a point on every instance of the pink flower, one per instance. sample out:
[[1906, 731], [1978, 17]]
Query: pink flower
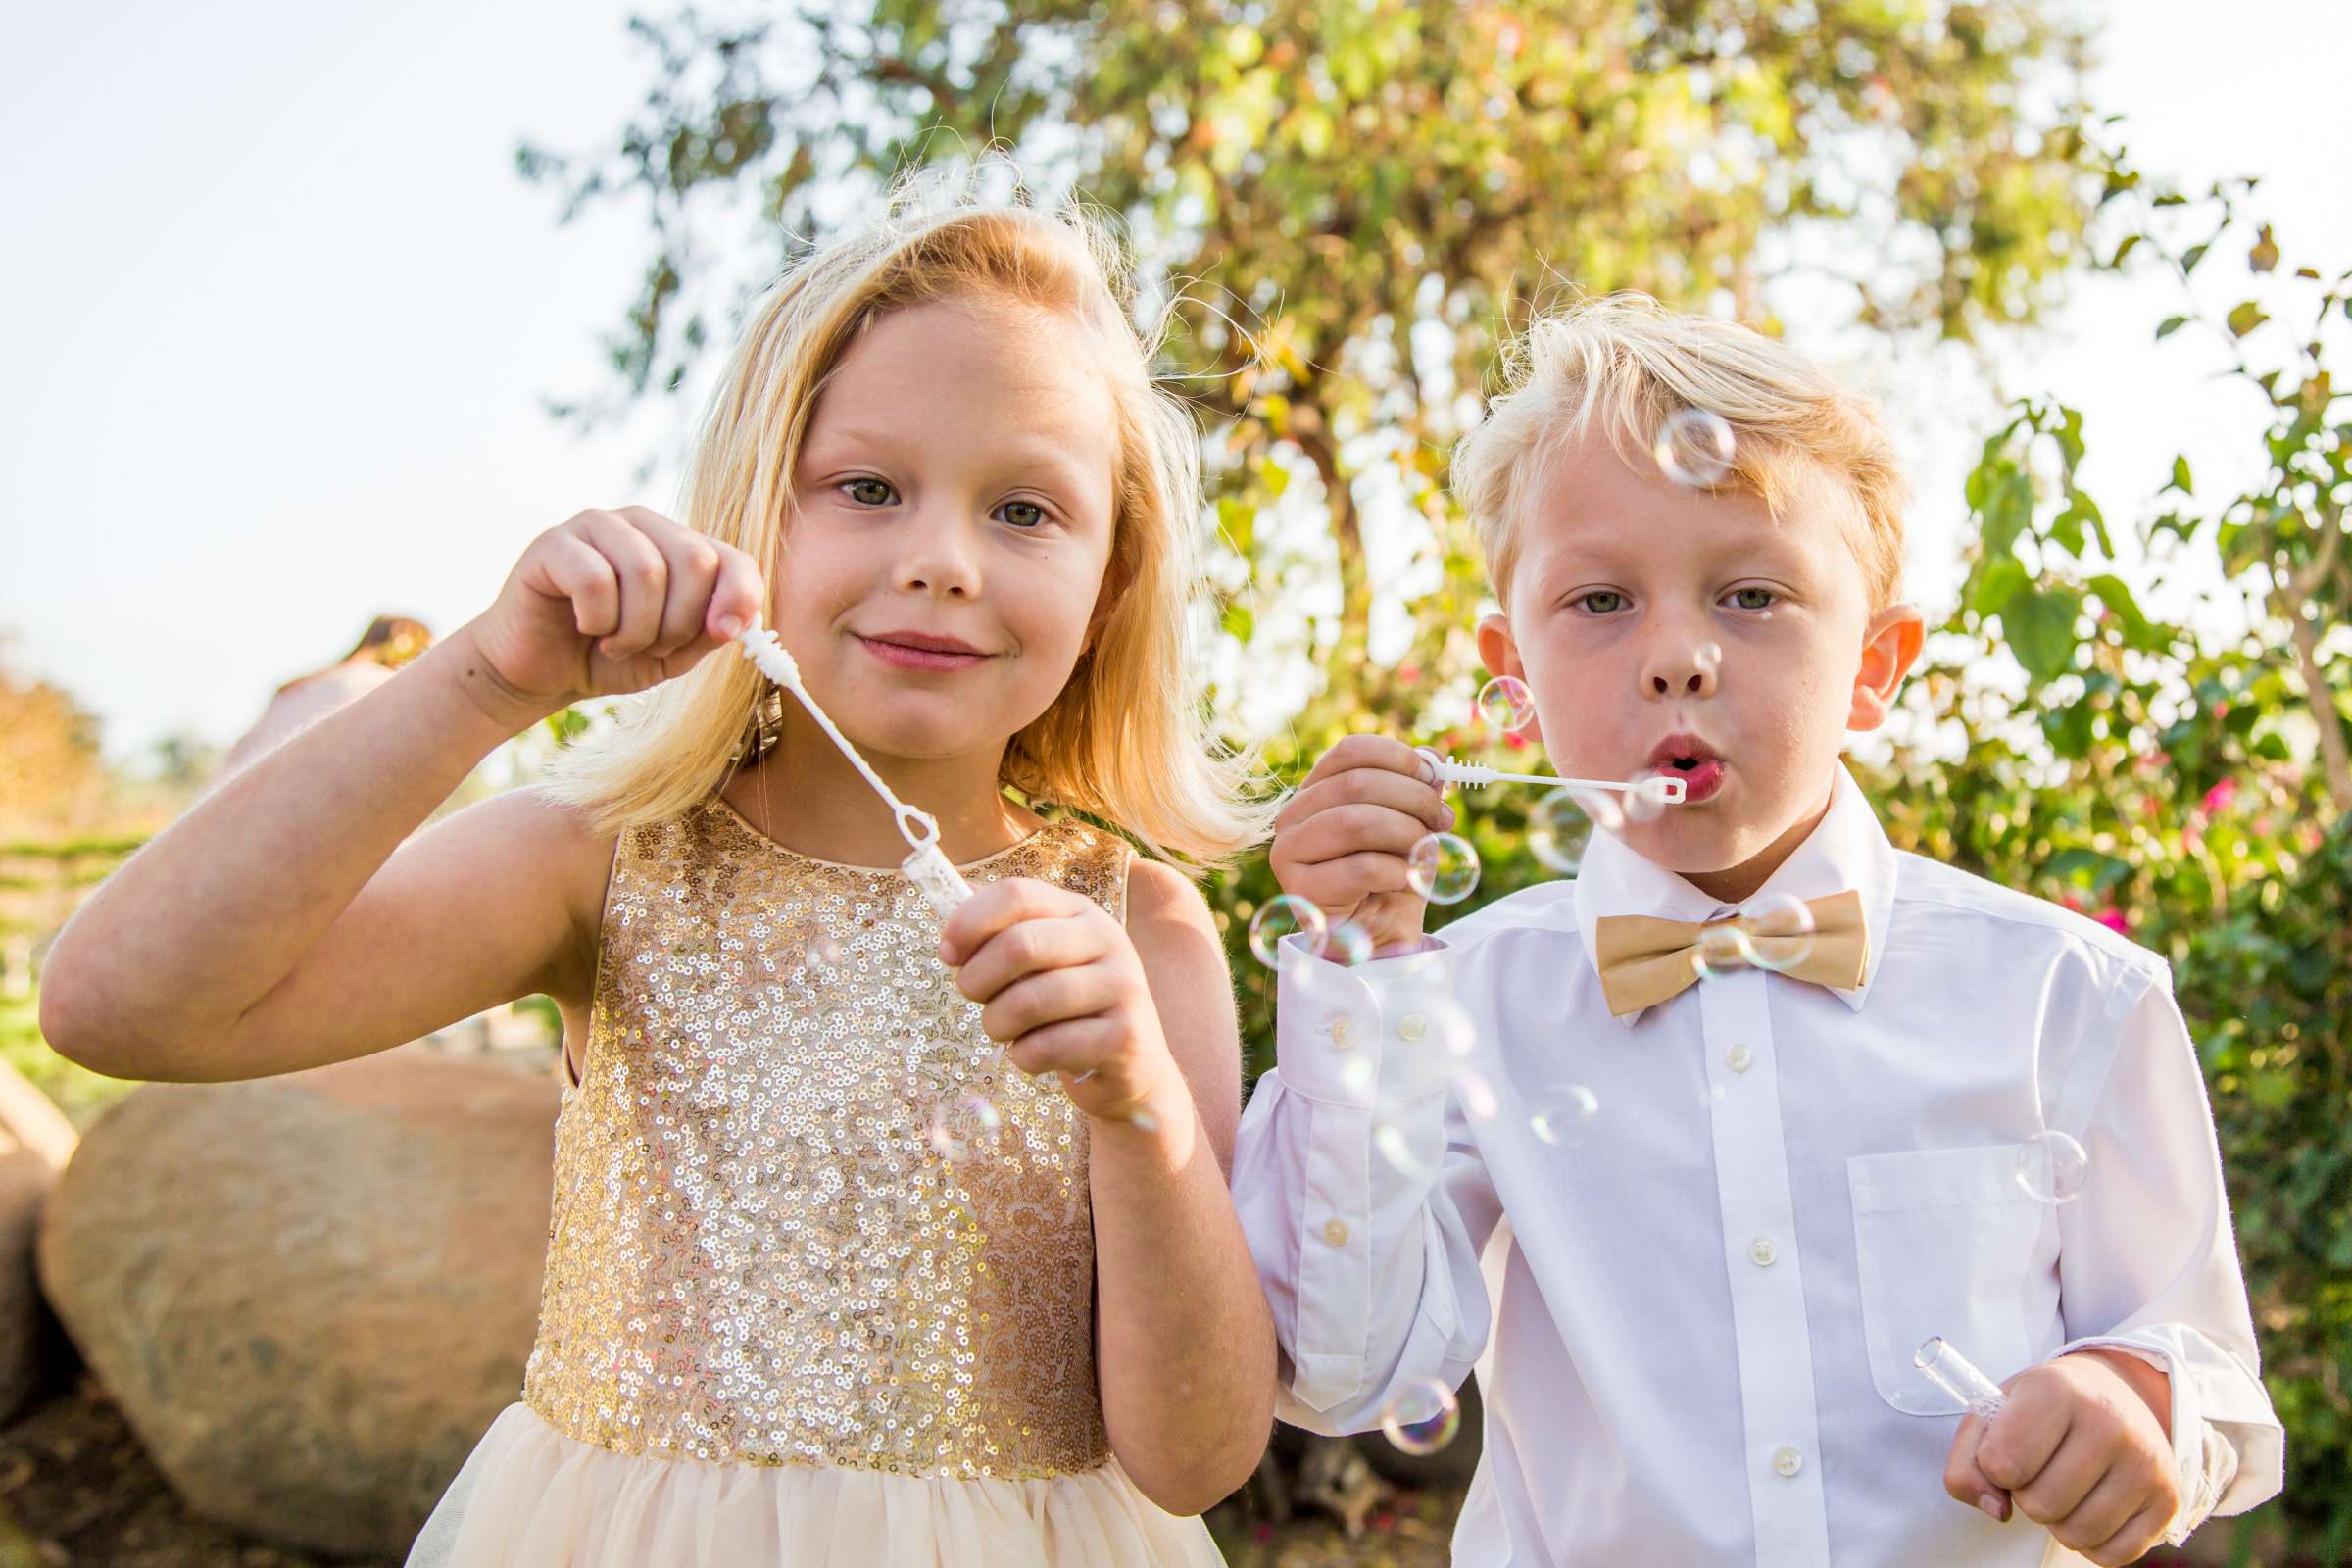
[[2217, 798], [1409, 672], [2070, 901], [2113, 919], [1515, 741]]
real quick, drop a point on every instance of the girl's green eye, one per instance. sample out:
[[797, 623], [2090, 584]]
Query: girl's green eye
[[1022, 514], [869, 492], [1602, 600], [1753, 597]]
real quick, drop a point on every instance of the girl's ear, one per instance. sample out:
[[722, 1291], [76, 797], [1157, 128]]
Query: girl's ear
[[1500, 653], [1891, 643]]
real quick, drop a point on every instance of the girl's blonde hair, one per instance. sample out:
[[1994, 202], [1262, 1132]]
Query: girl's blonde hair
[[1627, 363], [1129, 738]]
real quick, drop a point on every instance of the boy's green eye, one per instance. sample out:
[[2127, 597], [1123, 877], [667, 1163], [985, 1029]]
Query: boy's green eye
[[869, 492], [1022, 514], [1602, 600], [1753, 597]]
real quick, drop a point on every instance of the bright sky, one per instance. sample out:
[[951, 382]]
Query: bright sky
[[283, 315]]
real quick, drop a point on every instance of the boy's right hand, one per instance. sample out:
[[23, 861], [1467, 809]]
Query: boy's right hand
[[607, 603], [1342, 842]]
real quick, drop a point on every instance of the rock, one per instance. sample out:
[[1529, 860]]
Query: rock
[[309, 1294]]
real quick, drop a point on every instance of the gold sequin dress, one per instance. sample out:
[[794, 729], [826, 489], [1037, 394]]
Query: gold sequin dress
[[819, 1276]]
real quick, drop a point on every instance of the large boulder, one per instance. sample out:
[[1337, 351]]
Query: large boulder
[[311, 1294]]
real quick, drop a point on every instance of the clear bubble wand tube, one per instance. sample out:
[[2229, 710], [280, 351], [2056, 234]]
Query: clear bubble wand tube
[[1956, 1375], [1473, 775], [927, 866]]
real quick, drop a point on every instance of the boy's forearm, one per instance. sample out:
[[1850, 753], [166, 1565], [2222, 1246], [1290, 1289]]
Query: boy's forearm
[[206, 919], [1187, 1342]]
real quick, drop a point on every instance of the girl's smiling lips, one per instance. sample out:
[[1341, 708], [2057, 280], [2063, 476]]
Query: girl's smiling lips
[[1686, 756], [920, 650]]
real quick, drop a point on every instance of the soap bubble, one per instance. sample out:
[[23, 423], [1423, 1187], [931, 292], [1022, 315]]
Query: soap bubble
[[1348, 943], [965, 1127], [1695, 448], [1421, 1416], [1476, 1095], [1443, 867], [1558, 831], [1506, 704], [1720, 949], [2054, 1169], [1283, 915], [1788, 920], [1563, 1114]]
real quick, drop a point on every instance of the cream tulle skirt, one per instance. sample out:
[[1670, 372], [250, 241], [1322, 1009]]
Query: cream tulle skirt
[[531, 1498]]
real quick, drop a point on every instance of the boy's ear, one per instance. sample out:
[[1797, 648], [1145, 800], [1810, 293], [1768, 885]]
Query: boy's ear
[[1889, 644], [1500, 654]]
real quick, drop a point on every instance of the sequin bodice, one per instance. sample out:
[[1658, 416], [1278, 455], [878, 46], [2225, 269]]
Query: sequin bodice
[[803, 1211]]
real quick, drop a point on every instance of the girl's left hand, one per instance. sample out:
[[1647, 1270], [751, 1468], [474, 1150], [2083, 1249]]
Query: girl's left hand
[[1061, 988]]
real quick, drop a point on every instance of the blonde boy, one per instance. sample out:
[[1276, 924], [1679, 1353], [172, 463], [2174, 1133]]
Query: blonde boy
[[1722, 1203]]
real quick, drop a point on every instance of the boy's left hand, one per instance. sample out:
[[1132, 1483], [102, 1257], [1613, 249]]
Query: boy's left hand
[[1061, 988], [2079, 1446]]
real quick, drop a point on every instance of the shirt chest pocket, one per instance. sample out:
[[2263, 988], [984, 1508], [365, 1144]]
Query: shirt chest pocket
[[1949, 1244]]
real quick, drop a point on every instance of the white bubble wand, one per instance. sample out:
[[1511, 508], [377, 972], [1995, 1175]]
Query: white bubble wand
[[1656, 789], [928, 868]]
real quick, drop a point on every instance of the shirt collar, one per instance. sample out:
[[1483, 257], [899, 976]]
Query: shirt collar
[[1847, 849]]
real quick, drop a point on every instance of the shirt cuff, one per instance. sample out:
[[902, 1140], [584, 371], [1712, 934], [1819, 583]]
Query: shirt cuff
[[2202, 1458], [1366, 1034]]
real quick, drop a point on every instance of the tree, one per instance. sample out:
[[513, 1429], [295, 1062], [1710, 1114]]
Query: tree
[[1365, 194]]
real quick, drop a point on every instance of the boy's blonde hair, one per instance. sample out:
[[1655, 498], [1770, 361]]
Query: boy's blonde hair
[[1128, 739], [1628, 364]]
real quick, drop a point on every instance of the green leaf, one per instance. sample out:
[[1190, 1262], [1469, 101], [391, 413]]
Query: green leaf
[[2040, 627], [2179, 479], [1240, 621], [2002, 576], [2169, 326], [2192, 256], [2138, 631], [2245, 317]]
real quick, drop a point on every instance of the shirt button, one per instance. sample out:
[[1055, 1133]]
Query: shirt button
[[1413, 1025], [1342, 1033], [1761, 1251], [1738, 1059], [1787, 1460], [1335, 1231]]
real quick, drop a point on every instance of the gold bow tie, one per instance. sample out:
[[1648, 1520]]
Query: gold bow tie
[[1644, 960]]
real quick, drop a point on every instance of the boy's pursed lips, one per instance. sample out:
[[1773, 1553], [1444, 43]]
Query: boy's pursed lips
[[1691, 760]]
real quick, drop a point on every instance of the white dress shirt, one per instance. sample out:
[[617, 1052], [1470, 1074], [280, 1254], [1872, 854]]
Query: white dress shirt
[[1695, 1327]]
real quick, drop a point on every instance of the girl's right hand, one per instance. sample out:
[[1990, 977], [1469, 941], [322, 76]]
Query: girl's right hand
[[612, 601], [1343, 842]]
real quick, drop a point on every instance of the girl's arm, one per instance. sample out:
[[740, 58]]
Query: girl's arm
[[1184, 1340], [283, 923]]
